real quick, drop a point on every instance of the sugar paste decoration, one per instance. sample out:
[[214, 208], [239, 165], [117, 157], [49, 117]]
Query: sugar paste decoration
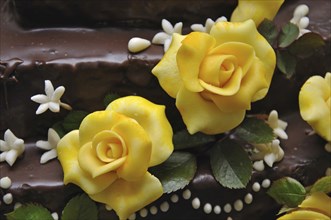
[[49, 145], [11, 148], [51, 100]]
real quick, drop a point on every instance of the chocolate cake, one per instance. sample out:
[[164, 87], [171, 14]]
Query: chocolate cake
[[83, 46]]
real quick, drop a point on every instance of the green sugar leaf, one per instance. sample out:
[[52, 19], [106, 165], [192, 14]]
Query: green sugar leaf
[[80, 207], [322, 185], [184, 140], [306, 45], [230, 164], [30, 212], [59, 128], [286, 63], [109, 98], [287, 191], [268, 30], [176, 172], [288, 34], [73, 119], [254, 131]]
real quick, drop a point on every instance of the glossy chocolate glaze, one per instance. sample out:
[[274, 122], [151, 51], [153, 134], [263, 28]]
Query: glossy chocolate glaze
[[91, 62]]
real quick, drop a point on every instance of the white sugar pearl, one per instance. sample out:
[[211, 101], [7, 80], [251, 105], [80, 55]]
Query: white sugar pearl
[[207, 208], [266, 183], [256, 187], [133, 216], [238, 205], [227, 208], [187, 194], [138, 44], [55, 216], [174, 198], [164, 207], [153, 210], [258, 165], [217, 209], [143, 212], [248, 198], [196, 203], [8, 198], [5, 182]]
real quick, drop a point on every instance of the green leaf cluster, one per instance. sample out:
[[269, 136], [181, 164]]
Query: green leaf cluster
[[183, 140], [176, 172], [289, 192], [230, 164], [80, 207], [289, 48]]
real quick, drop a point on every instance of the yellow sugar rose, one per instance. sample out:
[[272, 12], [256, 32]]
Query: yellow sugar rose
[[109, 156], [215, 77], [315, 104], [257, 10], [316, 206]]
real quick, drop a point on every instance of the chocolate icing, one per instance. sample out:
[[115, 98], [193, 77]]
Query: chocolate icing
[[89, 57]]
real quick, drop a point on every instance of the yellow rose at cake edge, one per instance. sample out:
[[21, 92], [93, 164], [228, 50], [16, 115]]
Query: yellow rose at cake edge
[[217, 75], [257, 10], [109, 155], [315, 104]]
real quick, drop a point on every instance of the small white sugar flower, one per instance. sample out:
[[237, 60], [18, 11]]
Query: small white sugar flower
[[51, 100], [300, 19], [270, 152], [277, 125], [208, 25], [11, 147], [164, 38], [49, 145]]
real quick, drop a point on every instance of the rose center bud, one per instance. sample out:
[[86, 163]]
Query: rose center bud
[[109, 146], [217, 70]]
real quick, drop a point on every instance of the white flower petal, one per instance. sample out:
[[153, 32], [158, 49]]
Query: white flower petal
[[160, 38], [40, 98], [54, 106], [58, 93], [269, 159], [280, 133], [209, 24], [167, 44], [167, 26], [11, 157], [303, 23], [53, 138], [49, 89], [45, 145], [3, 156], [178, 28], [198, 27], [42, 108], [49, 155], [4, 146], [220, 19], [10, 138], [18, 146]]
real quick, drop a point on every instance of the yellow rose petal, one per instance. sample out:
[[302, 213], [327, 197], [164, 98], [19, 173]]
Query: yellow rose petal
[[190, 56], [256, 9], [318, 201], [246, 32], [314, 102], [304, 215], [91, 163], [67, 150], [139, 148], [252, 83], [154, 121], [167, 71], [128, 197], [96, 122], [202, 115]]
